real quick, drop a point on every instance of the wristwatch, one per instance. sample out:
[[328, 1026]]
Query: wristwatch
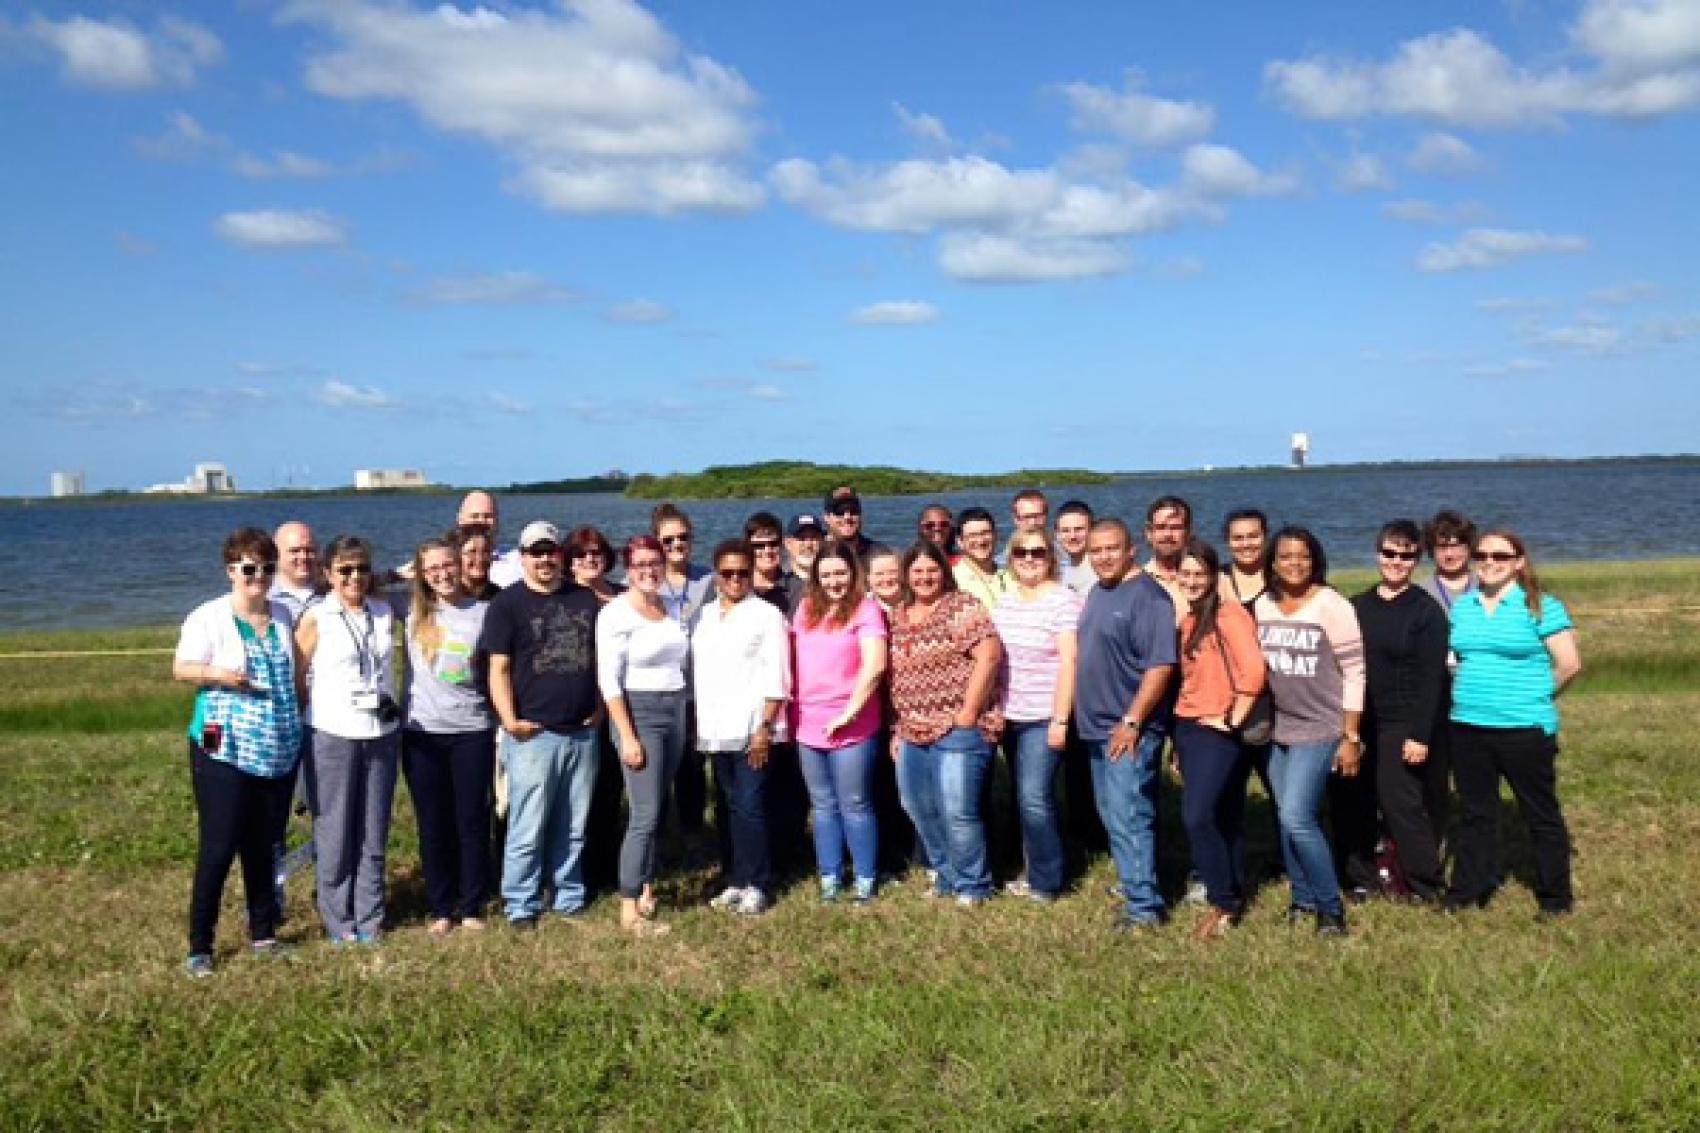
[[1131, 722], [1353, 738]]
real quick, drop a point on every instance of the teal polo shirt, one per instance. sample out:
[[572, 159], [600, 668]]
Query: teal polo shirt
[[1504, 677]]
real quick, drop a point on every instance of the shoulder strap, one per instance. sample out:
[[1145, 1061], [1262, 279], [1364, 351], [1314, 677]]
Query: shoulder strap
[[1227, 661]]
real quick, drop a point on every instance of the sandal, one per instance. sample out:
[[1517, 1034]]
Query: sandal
[[647, 905], [442, 926]]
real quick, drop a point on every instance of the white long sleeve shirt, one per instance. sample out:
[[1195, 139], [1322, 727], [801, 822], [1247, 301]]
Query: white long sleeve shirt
[[740, 659]]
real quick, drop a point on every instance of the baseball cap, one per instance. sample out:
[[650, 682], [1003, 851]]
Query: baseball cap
[[539, 531], [802, 525]]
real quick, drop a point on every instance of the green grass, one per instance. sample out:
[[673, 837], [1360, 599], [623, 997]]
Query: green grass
[[903, 1015]]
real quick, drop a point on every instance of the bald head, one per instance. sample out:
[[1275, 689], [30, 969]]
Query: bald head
[[478, 509], [297, 554]]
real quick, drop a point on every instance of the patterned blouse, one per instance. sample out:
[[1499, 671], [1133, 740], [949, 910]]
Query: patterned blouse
[[930, 666]]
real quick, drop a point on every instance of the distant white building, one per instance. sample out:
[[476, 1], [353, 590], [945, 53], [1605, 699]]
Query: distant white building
[[68, 484], [376, 479], [1301, 449], [207, 479]]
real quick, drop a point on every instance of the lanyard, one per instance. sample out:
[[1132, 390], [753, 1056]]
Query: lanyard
[[365, 647]]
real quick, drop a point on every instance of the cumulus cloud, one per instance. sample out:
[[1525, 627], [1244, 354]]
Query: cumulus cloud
[[1442, 153], [1482, 248], [183, 139], [1643, 61], [924, 128], [596, 106], [342, 395], [1622, 294], [1362, 172], [1581, 338], [640, 312], [282, 228], [895, 312], [1221, 171], [1507, 369], [1428, 212], [984, 258], [762, 391], [116, 55], [502, 403], [1135, 117], [283, 164], [492, 289]]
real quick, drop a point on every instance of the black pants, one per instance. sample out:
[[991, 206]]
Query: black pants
[[239, 816], [1414, 801], [897, 841], [690, 783], [449, 777], [1528, 760], [606, 825], [1256, 757], [791, 848], [1354, 828], [1083, 830]]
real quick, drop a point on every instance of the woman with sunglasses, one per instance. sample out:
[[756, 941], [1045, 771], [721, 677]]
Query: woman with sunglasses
[[1405, 633], [244, 740], [590, 557], [684, 588], [449, 741], [641, 657], [475, 551], [347, 644], [1314, 653], [1036, 619], [838, 640], [1516, 649], [1221, 678]]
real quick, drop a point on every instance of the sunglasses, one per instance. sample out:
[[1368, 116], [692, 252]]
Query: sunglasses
[[543, 551], [249, 570], [1027, 552], [1495, 556], [844, 509], [351, 570], [943, 525], [1399, 556], [586, 553], [743, 575], [764, 544], [675, 540]]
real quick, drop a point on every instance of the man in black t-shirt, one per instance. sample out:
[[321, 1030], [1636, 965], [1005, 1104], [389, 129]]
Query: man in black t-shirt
[[541, 640]]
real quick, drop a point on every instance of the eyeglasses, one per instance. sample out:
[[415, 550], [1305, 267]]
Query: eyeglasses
[[249, 570], [1495, 556], [845, 509], [675, 540], [941, 525], [760, 545], [585, 553], [1399, 556], [1030, 517], [543, 550], [1027, 552], [644, 564], [740, 575], [353, 570]]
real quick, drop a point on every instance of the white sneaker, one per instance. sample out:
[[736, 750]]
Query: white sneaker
[[730, 898], [1196, 894], [752, 903]]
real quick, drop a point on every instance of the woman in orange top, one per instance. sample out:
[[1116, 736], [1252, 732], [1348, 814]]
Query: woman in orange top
[[1221, 677]]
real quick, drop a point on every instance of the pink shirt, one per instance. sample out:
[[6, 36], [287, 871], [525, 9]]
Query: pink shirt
[[1030, 656], [828, 660]]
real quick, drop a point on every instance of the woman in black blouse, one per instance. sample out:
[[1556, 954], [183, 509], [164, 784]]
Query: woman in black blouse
[[1405, 634]]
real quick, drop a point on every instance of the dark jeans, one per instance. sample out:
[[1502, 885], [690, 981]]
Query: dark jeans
[[1414, 803], [607, 821], [239, 816], [1354, 827], [1528, 759], [789, 844], [1257, 758], [897, 840], [1082, 827], [690, 782], [745, 788], [1214, 773], [449, 777]]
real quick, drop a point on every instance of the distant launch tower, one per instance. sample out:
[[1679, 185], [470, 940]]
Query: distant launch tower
[[1301, 449]]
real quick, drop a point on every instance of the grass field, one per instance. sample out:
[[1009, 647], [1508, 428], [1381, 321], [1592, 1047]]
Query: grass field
[[903, 1015]]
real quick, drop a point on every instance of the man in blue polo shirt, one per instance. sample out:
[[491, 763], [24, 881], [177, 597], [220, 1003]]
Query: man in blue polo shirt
[[1127, 657]]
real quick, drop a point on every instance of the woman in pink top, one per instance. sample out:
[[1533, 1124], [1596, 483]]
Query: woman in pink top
[[839, 637]]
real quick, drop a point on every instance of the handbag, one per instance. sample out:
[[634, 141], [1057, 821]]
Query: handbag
[[1259, 723]]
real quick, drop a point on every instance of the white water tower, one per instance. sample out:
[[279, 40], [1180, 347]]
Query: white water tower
[[1301, 449]]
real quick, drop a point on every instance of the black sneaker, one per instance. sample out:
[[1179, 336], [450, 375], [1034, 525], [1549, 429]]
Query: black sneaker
[[1330, 924]]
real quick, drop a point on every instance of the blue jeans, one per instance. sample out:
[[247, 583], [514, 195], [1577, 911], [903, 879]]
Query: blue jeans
[[550, 780], [840, 782], [940, 786], [1126, 790], [1299, 773], [745, 788], [1033, 767]]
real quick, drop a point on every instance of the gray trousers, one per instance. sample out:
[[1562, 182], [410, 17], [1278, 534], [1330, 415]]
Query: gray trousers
[[350, 786], [658, 718]]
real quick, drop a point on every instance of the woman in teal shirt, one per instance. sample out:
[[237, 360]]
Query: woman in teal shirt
[[1516, 651]]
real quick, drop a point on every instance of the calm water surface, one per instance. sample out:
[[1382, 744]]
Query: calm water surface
[[134, 564]]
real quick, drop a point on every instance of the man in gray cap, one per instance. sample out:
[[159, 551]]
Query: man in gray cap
[[540, 636]]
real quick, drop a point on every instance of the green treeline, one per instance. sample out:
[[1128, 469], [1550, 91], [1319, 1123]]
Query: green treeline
[[798, 478]]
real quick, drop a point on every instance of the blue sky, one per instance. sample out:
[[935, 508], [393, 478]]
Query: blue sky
[[520, 241]]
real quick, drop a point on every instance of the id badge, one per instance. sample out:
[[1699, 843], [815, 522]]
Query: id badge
[[364, 700]]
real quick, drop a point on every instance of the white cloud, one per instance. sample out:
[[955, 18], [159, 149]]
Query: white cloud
[[492, 289], [1459, 78], [1363, 171], [1510, 305], [116, 55], [342, 395], [282, 164], [895, 312], [984, 258], [183, 139], [640, 312], [1622, 294], [1671, 330], [1507, 369], [1428, 212], [502, 403], [1221, 171], [925, 128], [1442, 153], [596, 106], [1136, 117], [281, 228], [914, 197], [1492, 247], [791, 364], [762, 391], [1582, 338]]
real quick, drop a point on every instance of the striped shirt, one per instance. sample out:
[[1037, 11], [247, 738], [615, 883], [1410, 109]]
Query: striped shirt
[[1031, 662], [1504, 672], [1316, 665]]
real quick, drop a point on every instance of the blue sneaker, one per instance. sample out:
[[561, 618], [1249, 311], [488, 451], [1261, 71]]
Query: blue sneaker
[[198, 966]]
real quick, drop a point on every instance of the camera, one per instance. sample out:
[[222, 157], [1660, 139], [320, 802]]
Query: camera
[[389, 712]]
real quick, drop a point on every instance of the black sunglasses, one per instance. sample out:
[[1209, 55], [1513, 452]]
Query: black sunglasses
[[249, 570], [1495, 556], [733, 575], [1400, 556], [844, 509], [350, 570], [674, 540], [1027, 552]]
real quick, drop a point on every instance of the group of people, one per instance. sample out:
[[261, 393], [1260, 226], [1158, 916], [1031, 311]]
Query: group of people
[[888, 682]]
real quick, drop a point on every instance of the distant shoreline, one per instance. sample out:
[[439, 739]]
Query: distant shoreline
[[800, 480]]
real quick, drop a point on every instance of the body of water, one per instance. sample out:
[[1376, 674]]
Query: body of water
[[138, 564]]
